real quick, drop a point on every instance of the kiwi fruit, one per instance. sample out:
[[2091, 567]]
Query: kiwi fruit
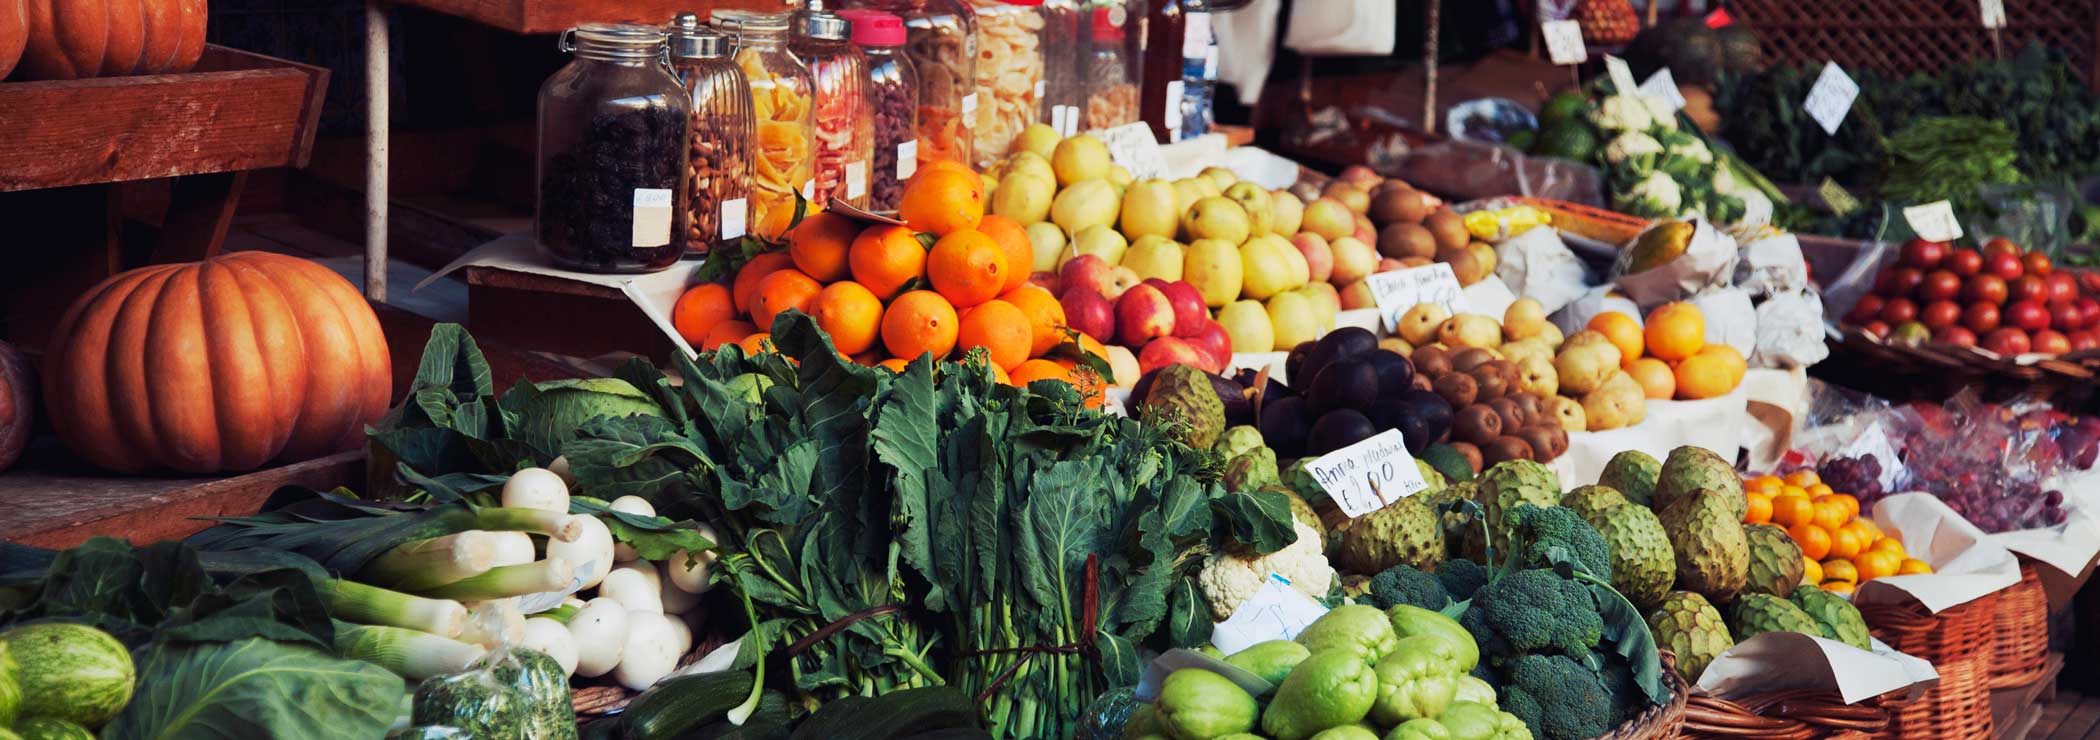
[[1458, 389], [1554, 434], [1421, 382], [1392, 203], [1491, 384], [1512, 413], [1504, 449], [1471, 357], [1431, 360], [1402, 239], [1465, 265], [1506, 369], [1540, 440], [1529, 402], [1477, 424], [1471, 453], [1449, 228]]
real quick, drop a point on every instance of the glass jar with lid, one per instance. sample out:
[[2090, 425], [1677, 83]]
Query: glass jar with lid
[[1009, 74], [718, 152], [941, 40], [1111, 69], [782, 122], [893, 101], [844, 133], [610, 163], [1064, 91]]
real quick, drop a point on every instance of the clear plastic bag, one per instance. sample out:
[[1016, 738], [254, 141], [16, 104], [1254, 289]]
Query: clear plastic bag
[[544, 686], [512, 693], [1465, 170]]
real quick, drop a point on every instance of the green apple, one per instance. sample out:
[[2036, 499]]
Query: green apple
[[1213, 266], [1247, 323], [1155, 256], [1083, 204]]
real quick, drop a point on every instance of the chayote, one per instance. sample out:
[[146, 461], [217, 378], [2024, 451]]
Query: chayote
[[1472, 689], [1419, 729], [1143, 721], [1355, 628], [1415, 681], [1347, 732], [1330, 689], [1195, 704], [1469, 721], [1409, 620], [1270, 660]]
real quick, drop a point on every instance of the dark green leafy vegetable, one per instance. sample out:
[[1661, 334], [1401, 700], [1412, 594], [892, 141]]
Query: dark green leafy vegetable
[[255, 688], [475, 702], [544, 687]]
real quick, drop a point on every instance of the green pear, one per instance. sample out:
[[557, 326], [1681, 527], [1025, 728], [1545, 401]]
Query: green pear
[[1047, 241], [1024, 197], [1289, 212], [1099, 241], [1293, 318], [1216, 217], [1266, 268], [1083, 204], [1259, 205], [1080, 158]]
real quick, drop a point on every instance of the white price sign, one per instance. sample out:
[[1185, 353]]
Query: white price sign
[[1993, 13], [1133, 146], [1831, 98], [1621, 75], [1399, 290], [1369, 475], [1564, 42], [1276, 612], [1934, 221], [1663, 86]]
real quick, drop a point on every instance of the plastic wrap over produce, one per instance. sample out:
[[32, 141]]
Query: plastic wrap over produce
[[1538, 265], [1576, 315], [1789, 331], [1465, 170]]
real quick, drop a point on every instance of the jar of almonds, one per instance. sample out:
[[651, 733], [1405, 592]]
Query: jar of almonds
[[718, 155]]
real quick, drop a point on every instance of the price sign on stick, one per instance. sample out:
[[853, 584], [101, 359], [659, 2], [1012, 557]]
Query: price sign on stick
[[1369, 475], [1663, 86], [1934, 221], [1133, 146], [1399, 290], [1621, 75], [1993, 13], [1276, 612], [1831, 98], [1564, 42]]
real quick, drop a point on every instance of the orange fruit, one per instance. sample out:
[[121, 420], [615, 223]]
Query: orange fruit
[[941, 200], [1089, 385], [819, 245], [894, 364], [1675, 332], [885, 258], [699, 309], [1046, 316], [1814, 541], [1844, 543], [1803, 478], [917, 323], [929, 165], [1850, 501], [1829, 514], [1865, 530], [1624, 332], [1657, 380], [1839, 569], [746, 283], [1020, 254], [1792, 511], [967, 267], [727, 332], [1000, 328], [1711, 372], [1913, 567], [1760, 507], [999, 374], [1890, 545], [1838, 587], [1767, 483], [1811, 571], [757, 343], [1787, 490], [850, 314], [873, 355], [1874, 564], [1819, 489], [780, 291]]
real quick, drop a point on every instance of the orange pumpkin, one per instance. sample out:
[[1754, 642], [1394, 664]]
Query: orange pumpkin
[[74, 39], [14, 34], [219, 365], [15, 406]]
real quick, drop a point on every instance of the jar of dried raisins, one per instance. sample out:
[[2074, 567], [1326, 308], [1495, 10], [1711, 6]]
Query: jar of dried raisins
[[844, 131], [1010, 78], [611, 154], [893, 96], [718, 154], [782, 120]]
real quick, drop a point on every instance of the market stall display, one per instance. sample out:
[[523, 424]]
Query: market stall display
[[784, 142], [611, 176], [893, 89]]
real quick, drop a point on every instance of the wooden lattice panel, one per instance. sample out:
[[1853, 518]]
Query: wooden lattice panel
[[1905, 36]]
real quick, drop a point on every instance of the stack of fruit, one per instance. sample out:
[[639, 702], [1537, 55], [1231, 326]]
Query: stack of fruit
[[1667, 355], [1840, 549], [2004, 299]]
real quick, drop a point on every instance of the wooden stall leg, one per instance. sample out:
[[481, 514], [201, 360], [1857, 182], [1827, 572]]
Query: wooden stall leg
[[376, 85], [199, 211]]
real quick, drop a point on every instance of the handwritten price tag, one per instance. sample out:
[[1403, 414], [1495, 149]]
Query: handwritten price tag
[[1276, 612], [1621, 75], [1837, 197], [1564, 42], [1934, 221], [1663, 86], [1369, 475], [1993, 13], [1399, 290], [1831, 98], [1133, 146]]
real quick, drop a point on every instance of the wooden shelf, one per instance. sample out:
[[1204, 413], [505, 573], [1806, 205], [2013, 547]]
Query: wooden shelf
[[555, 16], [2015, 710]]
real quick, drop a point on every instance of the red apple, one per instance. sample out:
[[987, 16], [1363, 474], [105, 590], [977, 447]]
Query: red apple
[[1980, 317], [1189, 311], [2066, 317], [2000, 245], [1143, 314], [2051, 342], [1959, 336], [2062, 287], [2084, 340], [2007, 341], [1090, 314], [1985, 288], [2037, 264], [1875, 328], [1964, 262], [1938, 315], [1899, 310], [1388, 264], [2003, 264], [1885, 281], [1166, 351], [1210, 337], [2028, 288], [1922, 254], [2028, 315], [1939, 285], [1090, 273], [1865, 310]]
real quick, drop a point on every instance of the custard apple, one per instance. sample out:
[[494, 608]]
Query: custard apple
[[1685, 624], [1632, 473], [1775, 561], [1690, 468], [1713, 555], [1838, 618], [1643, 565], [1238, 441], [1183, 396], [1589, 501], [1756, 614], [1513, 482], [1252, 470], [1407, 532]]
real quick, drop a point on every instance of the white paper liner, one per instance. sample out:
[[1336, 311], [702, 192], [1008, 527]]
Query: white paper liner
[[654, 293], [1966, 565], [1715, 424], [1779, 661]]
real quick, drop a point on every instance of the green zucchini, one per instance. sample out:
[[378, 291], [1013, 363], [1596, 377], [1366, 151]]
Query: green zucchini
[[890, 716], [754, 729], [952, 733], [676, 705]]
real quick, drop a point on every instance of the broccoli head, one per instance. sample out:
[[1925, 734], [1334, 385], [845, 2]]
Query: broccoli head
[[1533, 611], [1461, 577], [1557, 698], [1534, 530], [1402, 584]]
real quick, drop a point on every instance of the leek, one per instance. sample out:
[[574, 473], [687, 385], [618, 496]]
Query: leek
[[424, 564], [411, 653], [505, 581], [560, 614], [561, 526], [365, 604]]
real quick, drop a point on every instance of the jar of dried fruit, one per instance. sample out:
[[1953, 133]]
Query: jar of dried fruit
[[783, 141], [1010, 79], [940, 39], [718, 154], [610, 167], [1112, 72], [893, 94], [844, 131], [1064, 90]]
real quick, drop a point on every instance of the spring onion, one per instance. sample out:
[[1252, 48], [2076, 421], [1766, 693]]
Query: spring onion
[[365, 604], [505, 581], [422, 564], [411, 653]]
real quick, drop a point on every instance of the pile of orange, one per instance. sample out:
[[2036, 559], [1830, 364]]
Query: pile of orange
[[1669, 355], [1840, 548], [953, 280]]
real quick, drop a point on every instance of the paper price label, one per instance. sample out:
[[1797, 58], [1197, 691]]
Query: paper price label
[[1663, 86], [1399, 290], [1369, 475], [907, 159], [1040, 88], [1133, 146], [1172, 114], [652, 218], [735, 213], [1934, 221], [1275, 612], [1564, 42], [1993, 13], [856, 179], [969, 108], [1837, 197], [1621, 75], [1831, 98]]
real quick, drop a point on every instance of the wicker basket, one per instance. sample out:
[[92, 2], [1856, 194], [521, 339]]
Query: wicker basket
[[1787, 715], [2020, 648], [1958, 708], [1958, 642], [2055, 379], [1660, 722], [1901, 37], [1590, 221]]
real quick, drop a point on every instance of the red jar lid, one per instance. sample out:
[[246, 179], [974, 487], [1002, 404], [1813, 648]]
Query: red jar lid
[[876, 28], [1029, 3], [1108, 23]]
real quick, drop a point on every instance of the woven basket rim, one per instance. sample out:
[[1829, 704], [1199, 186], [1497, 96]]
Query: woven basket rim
[[1659, 721]]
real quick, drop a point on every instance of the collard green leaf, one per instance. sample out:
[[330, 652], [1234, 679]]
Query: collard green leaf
[[653, 537], [1257, 519], [906, 435], [255, 688], [1188, 615], [278, 605], [563, 408], [642, 456]]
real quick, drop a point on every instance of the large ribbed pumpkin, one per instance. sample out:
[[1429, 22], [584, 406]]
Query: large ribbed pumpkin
[[219, 365], [14, 34], [73, 39], [16, 409]]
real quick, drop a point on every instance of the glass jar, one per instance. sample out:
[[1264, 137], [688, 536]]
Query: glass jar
[[940, 38], [610, 166], [1111, 70], [844, 131], [1009, 74], [893, 96], [1064, 91], [782, 118], [718, 154]]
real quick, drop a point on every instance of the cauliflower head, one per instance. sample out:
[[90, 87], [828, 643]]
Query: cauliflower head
[[1660, 111], [1654, 196], [1686, 146], [1623, 113], [1229, 580], [1629, 145]]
